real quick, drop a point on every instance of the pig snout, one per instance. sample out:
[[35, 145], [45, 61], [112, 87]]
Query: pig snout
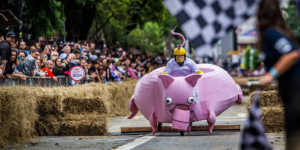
[[181, 117], [181, 108]]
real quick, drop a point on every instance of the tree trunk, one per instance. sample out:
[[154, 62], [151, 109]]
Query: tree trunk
[[168, 45]]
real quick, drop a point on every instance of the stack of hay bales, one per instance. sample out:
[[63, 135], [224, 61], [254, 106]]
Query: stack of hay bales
[[17, 115], [50, 111], [84, 116], [71, 116], [272, 110], [76, 111], [270, 87], [82, 110]]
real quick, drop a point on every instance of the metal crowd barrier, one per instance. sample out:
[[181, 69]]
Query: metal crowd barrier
[[35, 81]]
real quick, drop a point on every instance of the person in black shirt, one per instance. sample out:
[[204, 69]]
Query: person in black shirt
[[5, 52], [280, 54]]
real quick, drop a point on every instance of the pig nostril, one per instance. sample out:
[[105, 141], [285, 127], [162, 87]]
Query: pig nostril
[[191, 111], [171, 111]]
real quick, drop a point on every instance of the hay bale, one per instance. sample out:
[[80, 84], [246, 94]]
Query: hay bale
[[121, 97], [271, 109], [272, 116], [48, 125], [18, 115], [245, 91], [274, 128], [49, 105], [269, 87], [266, 99], [84, 125], [84, 105]]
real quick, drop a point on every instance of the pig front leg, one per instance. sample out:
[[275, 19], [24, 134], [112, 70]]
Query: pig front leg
[[190, 127], [211, 120], [132, 108], [153, 123]]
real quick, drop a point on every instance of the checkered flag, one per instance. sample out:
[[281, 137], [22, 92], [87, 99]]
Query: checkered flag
[[253, 136], [204, 22]]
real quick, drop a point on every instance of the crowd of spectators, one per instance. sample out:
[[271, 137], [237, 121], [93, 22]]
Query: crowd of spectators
[[101, 63]]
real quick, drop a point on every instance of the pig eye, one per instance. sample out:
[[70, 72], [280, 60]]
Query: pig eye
[[190, 100], [169, 101]]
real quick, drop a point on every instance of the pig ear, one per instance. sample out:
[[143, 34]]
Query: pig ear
[[166, 80], [192, 79]]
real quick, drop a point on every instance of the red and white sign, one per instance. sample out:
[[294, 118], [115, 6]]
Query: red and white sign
[[77, 73]]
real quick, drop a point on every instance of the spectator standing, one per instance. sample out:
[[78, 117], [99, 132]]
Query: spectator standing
[[1, 38], [23, 47], [15, 63], [108, 74], [58, 69], [48, 70], [54, 55], [22, 56], [29, 65], [31, 48], [5, 51]]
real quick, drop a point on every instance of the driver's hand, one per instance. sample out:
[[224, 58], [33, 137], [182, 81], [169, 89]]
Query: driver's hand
[[199, 72]]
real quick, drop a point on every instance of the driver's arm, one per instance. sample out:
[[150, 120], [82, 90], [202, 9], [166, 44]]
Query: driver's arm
[[168, 68], [194, 68]]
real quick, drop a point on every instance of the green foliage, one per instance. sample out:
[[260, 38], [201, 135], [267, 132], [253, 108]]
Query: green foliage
[[251, 58], [45, 16], [247, 57], [128, 13], [150, 38], [292, 18], [117, 18]]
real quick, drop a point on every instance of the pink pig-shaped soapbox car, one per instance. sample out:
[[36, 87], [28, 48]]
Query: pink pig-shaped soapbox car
[[183, 100]]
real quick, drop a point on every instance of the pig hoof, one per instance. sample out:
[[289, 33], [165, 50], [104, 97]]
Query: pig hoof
[[239, 101], [154, 131], [182, 133], [210, 130]]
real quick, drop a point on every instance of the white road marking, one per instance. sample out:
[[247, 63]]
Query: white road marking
[[135, 143], [242, 115]]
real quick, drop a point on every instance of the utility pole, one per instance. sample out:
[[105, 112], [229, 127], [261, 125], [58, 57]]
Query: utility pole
[[20, 18], [234, 40], [63, 12]]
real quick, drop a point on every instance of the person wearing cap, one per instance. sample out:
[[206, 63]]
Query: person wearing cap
[[180, 65], [5, 52]]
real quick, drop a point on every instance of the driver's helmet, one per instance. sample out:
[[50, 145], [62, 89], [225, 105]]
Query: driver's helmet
[[179, 54]]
